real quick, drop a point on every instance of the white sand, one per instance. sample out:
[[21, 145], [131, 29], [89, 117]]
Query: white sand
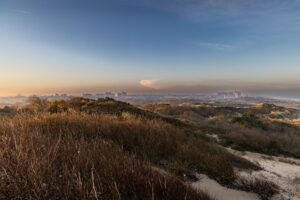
[[285, 172], [219, 192]]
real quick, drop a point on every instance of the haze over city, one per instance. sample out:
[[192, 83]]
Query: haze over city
[[150, 46]]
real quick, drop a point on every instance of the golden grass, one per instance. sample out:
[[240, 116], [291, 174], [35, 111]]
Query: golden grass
[[64, 157], [104, 149]]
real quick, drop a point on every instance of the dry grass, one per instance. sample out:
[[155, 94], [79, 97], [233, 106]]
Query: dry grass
[[266, 142], [88, 149], [64, 157], [151, 140], [243, 128], [265, 189]]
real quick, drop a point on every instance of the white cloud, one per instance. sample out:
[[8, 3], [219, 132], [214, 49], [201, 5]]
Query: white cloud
[[25, 12], [215, 46], [18, 11], [153, 84]]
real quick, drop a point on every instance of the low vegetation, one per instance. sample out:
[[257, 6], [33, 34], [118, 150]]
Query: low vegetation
[[265, 189], [271, 143], [245, 128], [39, 163], [152, 140], [95, 149], [250, 120]]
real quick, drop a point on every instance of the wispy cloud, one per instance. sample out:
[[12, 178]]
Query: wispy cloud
[[19, 11], [234, 7], [215, 46], [238, 11]]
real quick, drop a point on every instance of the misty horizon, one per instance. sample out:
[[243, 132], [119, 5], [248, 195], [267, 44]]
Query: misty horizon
[[150, 46]]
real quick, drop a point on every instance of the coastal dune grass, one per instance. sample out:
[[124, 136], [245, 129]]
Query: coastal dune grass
[[152, 140], [50, 158], [257, 129], [89, 150]]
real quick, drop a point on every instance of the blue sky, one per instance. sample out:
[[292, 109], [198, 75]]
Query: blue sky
[[142, 45]]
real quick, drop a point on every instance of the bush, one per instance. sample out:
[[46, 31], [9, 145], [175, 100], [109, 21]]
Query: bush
[[37, 104], [268, 143], [8, 111], [57, 106], [265, 189], [250, 120]]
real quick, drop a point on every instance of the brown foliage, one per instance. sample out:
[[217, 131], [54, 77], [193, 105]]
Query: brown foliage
[[265, 189], [266, 142], [149, 139], [64, 157]]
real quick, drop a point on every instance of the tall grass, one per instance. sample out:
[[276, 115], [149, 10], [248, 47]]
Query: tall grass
[[152, 140], [104, 149], [64, 157]]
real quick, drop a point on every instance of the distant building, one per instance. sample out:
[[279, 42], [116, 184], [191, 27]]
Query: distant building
[[100, 95], [229, 95], [120, 94], [108, 94], [87, 95], [124, 93], [237, 94]]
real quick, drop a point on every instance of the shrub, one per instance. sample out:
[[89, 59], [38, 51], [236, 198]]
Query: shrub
[[262, 142], [8, 111], [265, 189], [57, 106], [37, 104], [250, 120]]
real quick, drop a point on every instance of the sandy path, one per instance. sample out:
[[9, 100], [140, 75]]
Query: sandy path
[[219, 192], [285, 172]]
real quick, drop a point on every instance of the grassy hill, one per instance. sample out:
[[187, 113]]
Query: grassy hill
[[263, 128], [106, 149]]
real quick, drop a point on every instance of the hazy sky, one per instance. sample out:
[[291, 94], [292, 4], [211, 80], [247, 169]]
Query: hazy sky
[[149, 45]]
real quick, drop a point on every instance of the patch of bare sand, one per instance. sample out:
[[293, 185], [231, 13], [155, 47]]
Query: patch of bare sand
[[219, 192], [285, 172]]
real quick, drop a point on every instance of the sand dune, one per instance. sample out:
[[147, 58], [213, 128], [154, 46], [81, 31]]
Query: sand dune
[[283, 171], [219, 192]]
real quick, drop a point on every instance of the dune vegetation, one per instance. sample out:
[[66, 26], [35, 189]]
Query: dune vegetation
[[105, 149], [252, 128]]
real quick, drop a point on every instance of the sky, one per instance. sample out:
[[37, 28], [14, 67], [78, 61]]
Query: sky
[[197, 46]]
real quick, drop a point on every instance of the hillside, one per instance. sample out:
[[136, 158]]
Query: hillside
[[106, 149], [263, 128]]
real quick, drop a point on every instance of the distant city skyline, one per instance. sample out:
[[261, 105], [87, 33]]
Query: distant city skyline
[[72, 46]]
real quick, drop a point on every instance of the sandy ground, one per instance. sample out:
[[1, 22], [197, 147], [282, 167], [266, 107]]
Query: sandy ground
[[219, 192], [285, 172]]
